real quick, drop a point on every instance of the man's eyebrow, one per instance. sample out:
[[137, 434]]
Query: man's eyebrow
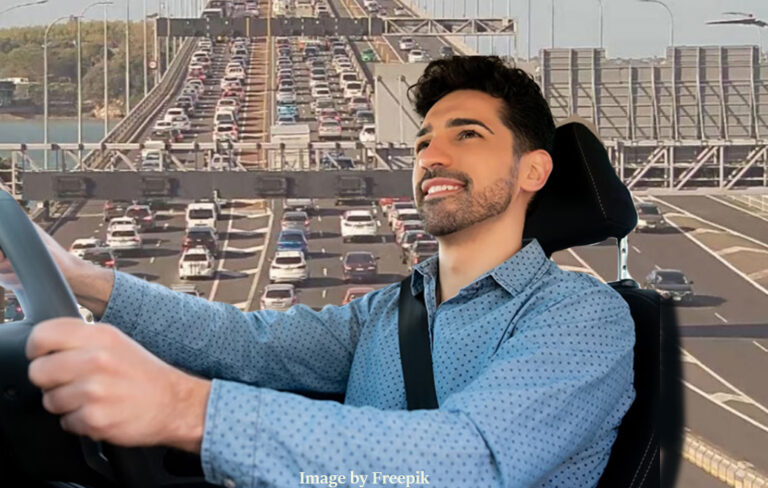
[[424, 130], [454, 123], [462, 121]]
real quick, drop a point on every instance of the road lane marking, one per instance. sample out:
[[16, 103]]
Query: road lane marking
[[323, 250], [325, 271], [157, 244], [715, 255], [721, 227], [165, 226], [96, 231], [656, 267], [220, 266], [759, 275], [152, 261], [736, 207], [325, 292], [586, 265], [721, 318], [735, 249], [636, 250], [760, 346], [255, 282]]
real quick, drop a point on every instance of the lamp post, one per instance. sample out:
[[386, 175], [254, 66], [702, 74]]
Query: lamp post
[[106, 76], [45, 85], [22, 5], [528, 26], [80, 74], [127, 57], [671, 19], [552, 18], [600, 2], [146, 61], [743, 19]]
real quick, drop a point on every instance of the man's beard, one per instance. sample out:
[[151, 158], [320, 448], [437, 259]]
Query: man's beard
[[458, 211]]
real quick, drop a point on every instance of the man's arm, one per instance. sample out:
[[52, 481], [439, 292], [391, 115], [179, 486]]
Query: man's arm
[[300, 349], [543, 413]]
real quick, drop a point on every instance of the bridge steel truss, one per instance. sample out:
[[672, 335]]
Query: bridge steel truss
[[696, 118], [334, 26]]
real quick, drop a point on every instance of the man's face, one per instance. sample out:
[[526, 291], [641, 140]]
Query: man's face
[[463, 143]]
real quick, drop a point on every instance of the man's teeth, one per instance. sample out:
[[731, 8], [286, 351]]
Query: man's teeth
[[435, 189]]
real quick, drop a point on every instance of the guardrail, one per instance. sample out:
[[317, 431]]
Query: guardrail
[[131, 126]]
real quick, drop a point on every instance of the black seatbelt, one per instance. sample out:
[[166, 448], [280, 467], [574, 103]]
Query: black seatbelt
[[415, 350]]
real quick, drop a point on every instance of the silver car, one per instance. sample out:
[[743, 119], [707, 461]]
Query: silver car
[[279, 297]]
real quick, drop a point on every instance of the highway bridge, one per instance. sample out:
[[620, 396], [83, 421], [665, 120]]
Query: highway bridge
[[706, 172]]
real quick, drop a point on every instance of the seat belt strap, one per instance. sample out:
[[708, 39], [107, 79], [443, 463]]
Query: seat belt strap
[[415, 349]]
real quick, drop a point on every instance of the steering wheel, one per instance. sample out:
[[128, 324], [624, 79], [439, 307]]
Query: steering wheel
[[33, 446]]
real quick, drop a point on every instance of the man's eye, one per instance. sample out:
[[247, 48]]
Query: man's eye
[[468, 133], [421, 145]]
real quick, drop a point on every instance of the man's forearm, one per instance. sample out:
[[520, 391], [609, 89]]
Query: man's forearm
[[92, 286]]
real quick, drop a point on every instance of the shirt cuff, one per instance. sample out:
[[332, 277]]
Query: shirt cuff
[[229, 435], [125, 302]]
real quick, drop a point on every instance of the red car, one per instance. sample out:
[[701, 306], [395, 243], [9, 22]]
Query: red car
[[356, 292]]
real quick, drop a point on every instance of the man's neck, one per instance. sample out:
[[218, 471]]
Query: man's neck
[[467, 255]]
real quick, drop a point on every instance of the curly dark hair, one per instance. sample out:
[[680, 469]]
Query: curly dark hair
[[525, 111]]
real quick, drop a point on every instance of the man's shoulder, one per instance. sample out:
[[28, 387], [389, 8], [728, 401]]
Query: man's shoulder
[[577, 291]]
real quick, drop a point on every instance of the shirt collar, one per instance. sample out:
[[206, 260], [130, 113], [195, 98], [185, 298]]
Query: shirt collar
[[513, 275]]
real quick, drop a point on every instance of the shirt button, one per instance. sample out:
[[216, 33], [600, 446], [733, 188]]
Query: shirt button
[[229, 483]]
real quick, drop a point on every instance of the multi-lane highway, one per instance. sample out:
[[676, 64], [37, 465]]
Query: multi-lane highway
[[722, 247]]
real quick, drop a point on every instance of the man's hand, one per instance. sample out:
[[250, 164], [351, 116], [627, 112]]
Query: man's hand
[[107, 387]]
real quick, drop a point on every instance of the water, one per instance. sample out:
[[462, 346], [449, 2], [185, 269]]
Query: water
[[59, 130]]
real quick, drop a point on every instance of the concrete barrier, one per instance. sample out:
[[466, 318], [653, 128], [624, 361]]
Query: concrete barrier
[[723, 467]]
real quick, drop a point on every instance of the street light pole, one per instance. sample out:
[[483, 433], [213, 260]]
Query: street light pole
[[671, 19], [80, 77], [600, 2], [106, 76], [22, 5], [146, 61], [552, 42], [528, 26], [45, 85], [127, 57]]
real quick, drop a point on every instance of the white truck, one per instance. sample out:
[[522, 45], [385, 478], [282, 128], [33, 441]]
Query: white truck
[[296, 153]]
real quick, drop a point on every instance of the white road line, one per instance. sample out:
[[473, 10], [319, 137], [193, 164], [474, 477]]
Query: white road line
[[586, 265], [165, 225], [636, 250], [325, 292], [152, 261], [735, 249], [760, 346], [157, 244], [721, 317], [656, 267], [96, 231], [736, 207], [319, 218], [721, 227], [716, 256], [255, 282], [215, 287], [325, 271], [322, 250]]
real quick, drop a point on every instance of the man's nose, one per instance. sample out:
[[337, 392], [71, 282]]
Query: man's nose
[[435, 154]]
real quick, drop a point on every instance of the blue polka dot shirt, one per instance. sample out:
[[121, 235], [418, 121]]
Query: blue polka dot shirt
[[532, 367]]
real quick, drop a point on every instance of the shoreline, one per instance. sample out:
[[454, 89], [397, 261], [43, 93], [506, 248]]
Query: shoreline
[[39, 118]]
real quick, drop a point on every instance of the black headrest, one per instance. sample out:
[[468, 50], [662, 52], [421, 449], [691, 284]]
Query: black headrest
[[584, 201]]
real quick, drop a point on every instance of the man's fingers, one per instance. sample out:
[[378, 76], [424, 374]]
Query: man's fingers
[[54, 370], [67, 398], [57, 335]]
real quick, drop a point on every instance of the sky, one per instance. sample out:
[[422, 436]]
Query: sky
[[632, 29]]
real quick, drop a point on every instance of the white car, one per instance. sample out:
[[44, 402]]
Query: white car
[[353, 89], [357, 223], [279, 297], [288, 266], [201, 215], [368, 133], [124, 237], [226, 132], [403, 214], [182, 123], [162, 125], [286, 95], [121, 222], [329, 128], [406, 43], [196, 262], [80, 246], [417, 56]]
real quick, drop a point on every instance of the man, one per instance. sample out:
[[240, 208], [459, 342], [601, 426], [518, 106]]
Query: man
[[532, 364]]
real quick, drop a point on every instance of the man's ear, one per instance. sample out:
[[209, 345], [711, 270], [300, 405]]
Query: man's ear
[[535, 168]]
